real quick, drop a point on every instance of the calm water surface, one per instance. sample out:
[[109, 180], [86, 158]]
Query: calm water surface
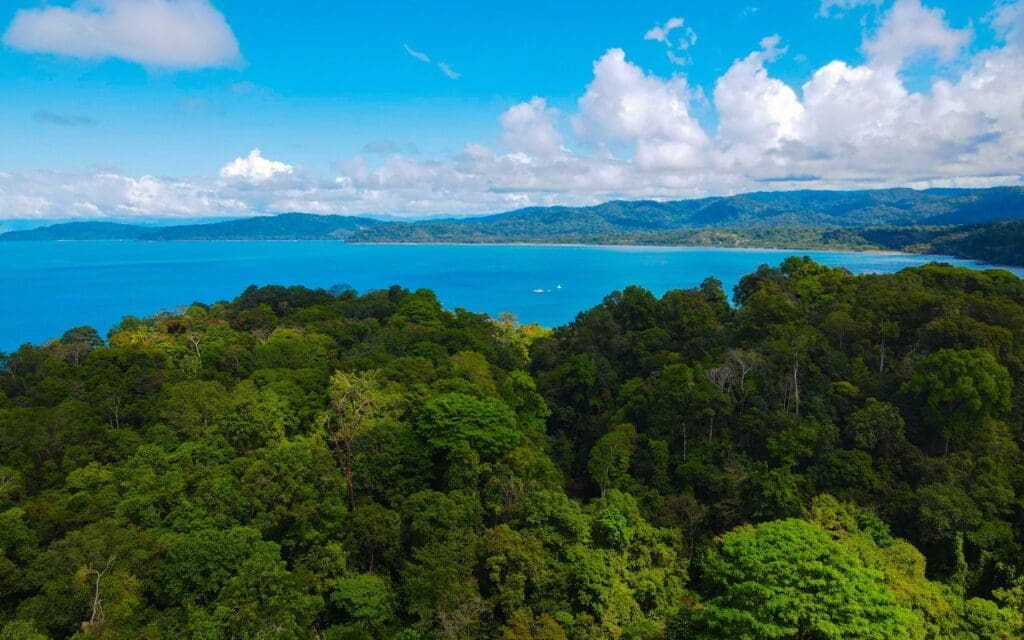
[[48, 287]]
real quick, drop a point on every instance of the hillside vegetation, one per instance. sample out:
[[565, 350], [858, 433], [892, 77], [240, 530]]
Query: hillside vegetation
[[996, 242], [835, 456], [621, 221]]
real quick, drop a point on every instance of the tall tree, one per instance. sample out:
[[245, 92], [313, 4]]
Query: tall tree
[[356, 401]]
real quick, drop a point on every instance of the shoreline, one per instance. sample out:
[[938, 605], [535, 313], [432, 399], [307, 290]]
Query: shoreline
[[591, 245]]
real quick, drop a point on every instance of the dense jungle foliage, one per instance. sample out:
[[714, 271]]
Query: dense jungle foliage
[[832, 456], [995, 242]]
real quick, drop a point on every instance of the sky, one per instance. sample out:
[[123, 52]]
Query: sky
[[153, 109]]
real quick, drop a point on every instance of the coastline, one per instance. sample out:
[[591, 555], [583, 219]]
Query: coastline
[[773, 248], [565, 245]]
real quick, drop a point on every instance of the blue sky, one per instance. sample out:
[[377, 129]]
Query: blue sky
[[349, 117]]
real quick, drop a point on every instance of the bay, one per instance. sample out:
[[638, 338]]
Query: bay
[[48, 287]]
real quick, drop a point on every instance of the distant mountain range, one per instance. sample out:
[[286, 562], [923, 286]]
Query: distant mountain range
[[771, 217], [623, 221]]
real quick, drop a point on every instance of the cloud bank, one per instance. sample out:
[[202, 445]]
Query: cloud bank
[[634, 134]]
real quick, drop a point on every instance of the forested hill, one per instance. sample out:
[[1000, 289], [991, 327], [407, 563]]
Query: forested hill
[[79, 231], [631, 221], [285, 226], [996, 242], [782, 214], [835, 456]]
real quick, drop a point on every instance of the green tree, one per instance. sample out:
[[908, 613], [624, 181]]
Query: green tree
[[78, 342], [609, 459], [356, 402], [788, 579], [255, 418], [265, 600], [199, 564], [876, 425], [487, 424], [20, 630], [522, 625], [959, 390], [365, 599]]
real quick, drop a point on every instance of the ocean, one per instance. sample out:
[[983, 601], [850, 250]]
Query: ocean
[[49, 287]]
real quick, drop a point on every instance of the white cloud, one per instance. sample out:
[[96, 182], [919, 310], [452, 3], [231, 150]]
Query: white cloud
[[254, 168], [910, 30], [850, 124], [448, 71], [663, 34], [178, 34], [531, 127], [419, 55], [757, 113], [106, 194], [1008, 21], [625, 104], [444, 67]]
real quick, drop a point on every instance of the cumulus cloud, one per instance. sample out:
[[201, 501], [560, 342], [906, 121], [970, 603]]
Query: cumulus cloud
[[757, 113], [633, 134], [625, 104], [531, 127], [177, 34], [910, 30], [254, 168]]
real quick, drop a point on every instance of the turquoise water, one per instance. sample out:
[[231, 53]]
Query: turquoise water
[[51, 286]]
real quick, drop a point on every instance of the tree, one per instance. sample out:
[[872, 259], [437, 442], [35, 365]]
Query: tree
[[375, 532], [788, 579], [256, 418], [20, 630], [356, 402], [199, 564], [522, 625], [265, 600], [959, 390], [609, 459], [97, 618], [78, 342], [487, 424], [365, 598], [441, 590], [191, 407], [876, 425]]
